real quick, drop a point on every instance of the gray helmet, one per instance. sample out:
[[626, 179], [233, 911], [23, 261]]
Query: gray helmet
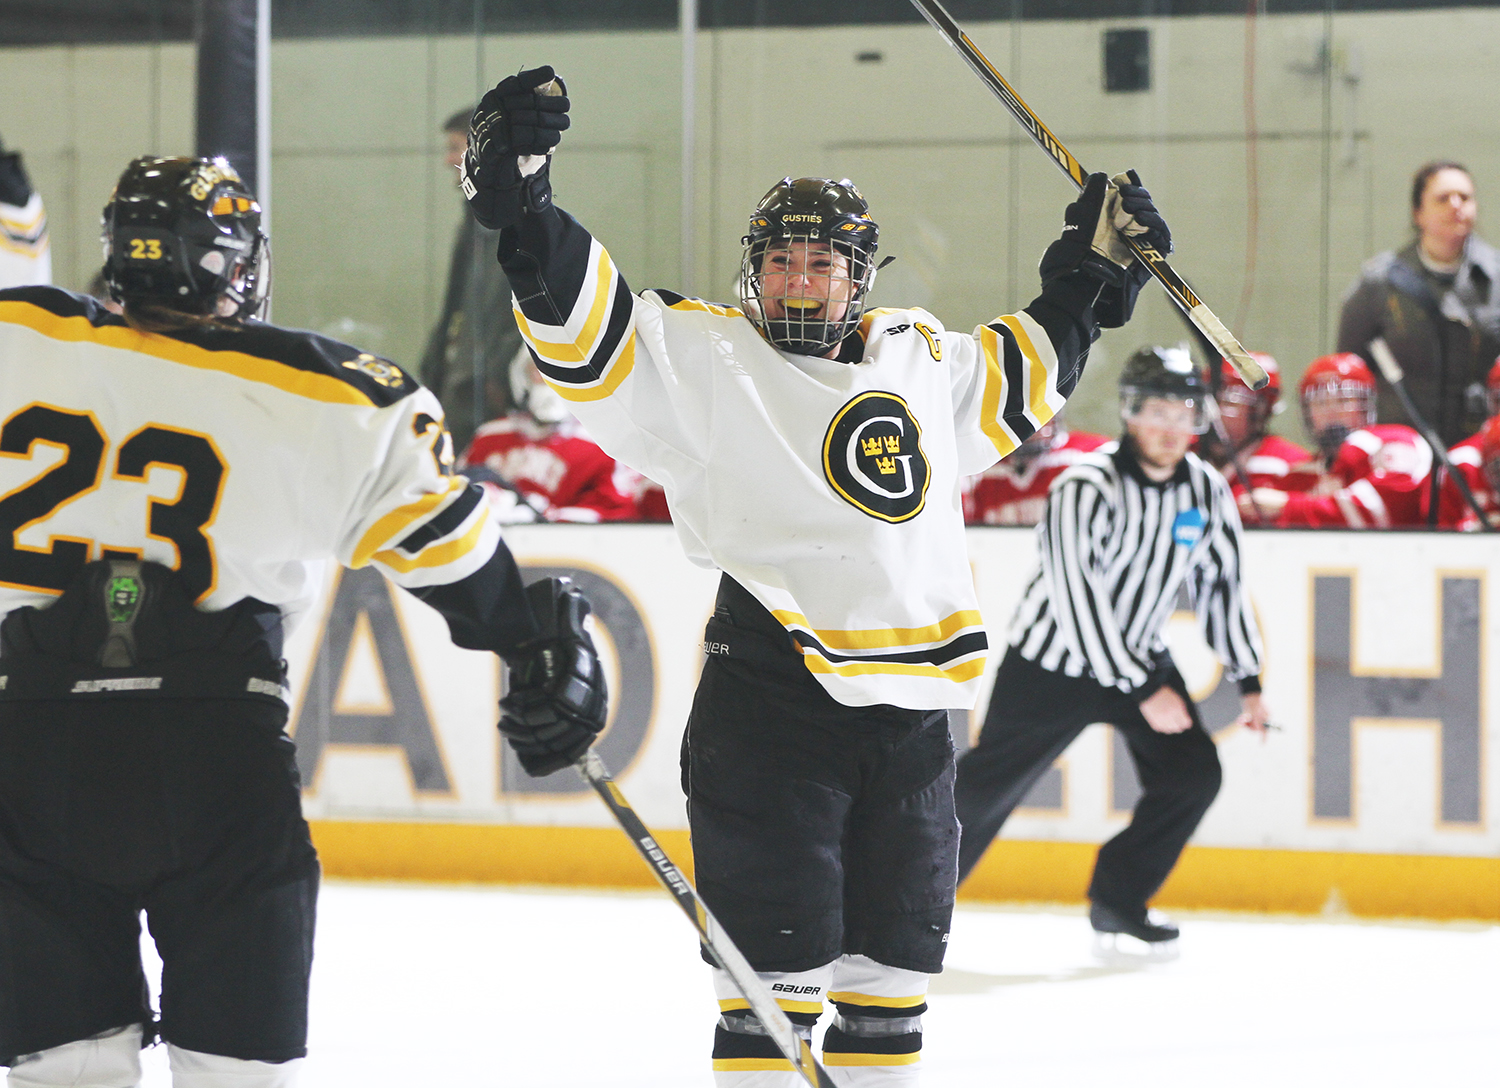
[[809, 211]]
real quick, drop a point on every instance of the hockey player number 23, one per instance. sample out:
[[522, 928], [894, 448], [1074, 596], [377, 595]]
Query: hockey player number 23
[[181, 522]]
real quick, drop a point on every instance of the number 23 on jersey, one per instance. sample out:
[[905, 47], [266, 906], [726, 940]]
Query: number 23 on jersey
[[182, 521]]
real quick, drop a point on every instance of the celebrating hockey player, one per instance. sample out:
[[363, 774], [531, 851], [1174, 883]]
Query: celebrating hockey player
[[1265, 459], [175, 479], [539, 464], [811, 449], [1375, 476], [1014, 491], [1127, 528]]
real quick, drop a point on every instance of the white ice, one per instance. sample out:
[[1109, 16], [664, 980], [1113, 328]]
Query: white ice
[[502, 986]]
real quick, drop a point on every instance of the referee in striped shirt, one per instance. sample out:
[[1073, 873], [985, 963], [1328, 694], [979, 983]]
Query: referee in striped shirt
[[1126, 528]]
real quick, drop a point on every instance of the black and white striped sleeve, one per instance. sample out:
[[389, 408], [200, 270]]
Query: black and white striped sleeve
[[1080, 517], [1222, 604]]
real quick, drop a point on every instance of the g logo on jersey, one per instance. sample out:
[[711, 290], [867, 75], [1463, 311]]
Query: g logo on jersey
[[872, 456]]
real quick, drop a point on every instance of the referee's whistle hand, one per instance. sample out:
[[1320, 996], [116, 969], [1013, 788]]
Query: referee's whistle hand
[[1165, 712], [1253, 714]]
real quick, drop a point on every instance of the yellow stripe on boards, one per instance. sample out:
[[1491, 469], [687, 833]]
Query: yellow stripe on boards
[[884, 637], [393, 524], [301, 383], [575, 351], [848, 997], [993, 400], [1207, 877], [836, 1058], [752, 1065]]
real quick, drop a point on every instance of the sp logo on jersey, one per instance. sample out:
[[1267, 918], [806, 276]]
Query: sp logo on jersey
[[1187, 529], [872, 456]]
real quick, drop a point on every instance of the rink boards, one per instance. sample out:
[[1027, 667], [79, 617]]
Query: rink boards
[[1376, 796]]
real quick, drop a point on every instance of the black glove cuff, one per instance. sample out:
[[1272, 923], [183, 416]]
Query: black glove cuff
[[15, 186]]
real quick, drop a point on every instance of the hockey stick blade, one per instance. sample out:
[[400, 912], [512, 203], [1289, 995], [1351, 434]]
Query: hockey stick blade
[[715, 940], [1205, 319]]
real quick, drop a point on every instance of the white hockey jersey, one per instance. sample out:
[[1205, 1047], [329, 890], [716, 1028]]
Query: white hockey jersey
[[243, 458], [828, 490]]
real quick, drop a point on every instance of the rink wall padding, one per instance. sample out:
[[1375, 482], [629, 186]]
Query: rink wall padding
[[1377, 795]]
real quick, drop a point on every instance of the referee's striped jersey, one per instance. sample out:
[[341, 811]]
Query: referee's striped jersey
[[1115, 548]]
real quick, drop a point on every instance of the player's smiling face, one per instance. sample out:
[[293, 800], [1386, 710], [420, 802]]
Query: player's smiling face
[[805, 280]]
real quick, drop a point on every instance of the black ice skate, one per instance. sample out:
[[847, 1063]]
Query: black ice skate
[[1147, 935]]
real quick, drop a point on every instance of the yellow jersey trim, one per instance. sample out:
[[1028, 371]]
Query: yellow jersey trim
[[576, 351], [619, 370], [994, 394], [1036, 394], [849, 997], [397, 520], [834, 1058], [959, 674], [437, 556], [731, 1004], [289, 379], [885, 637], [705, 307]]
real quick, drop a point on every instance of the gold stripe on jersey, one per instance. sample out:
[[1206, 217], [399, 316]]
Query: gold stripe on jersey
[[1038, 375], [289, 379], [880, 638], [849, 997], [705, 307], [752, 1065], [614, 373], [577, 350], [436, 555], [1041, 375], [730, 1004], [993, 400], [958, 674], [837, 1058], [398, 521]]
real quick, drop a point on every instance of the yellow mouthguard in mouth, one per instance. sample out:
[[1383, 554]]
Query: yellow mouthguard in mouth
[[802, 304]]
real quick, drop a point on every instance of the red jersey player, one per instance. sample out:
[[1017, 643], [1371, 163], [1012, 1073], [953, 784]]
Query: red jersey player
[[1014, 491], [545, 466], [1478, 458], [1268, 460], [1377, 473]]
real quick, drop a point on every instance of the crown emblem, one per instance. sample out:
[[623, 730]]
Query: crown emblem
[[886, 465]]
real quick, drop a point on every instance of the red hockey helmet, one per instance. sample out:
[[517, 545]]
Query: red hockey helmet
[[1492, 389], [1338, 397], [1246, 411]]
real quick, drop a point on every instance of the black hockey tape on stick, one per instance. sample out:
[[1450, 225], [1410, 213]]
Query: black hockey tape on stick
[[1385, 359], [1223, 340], [720, 948]]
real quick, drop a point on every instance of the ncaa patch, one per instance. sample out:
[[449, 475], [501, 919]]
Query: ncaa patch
[[872, 456], [1187, 529]]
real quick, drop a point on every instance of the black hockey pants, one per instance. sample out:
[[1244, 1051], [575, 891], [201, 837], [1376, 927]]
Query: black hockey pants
[[1033, 716], [818, 829]]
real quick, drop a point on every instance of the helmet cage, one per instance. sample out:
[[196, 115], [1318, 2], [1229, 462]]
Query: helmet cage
[[1352, 398], [808, 264]]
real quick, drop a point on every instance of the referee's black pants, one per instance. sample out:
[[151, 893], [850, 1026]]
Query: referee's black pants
[[1034, 714]]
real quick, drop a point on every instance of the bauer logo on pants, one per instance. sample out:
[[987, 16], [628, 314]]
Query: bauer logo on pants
[[872, 456]]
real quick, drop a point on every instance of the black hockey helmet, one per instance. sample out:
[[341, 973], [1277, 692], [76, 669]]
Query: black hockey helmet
[[809, 210], [1164, 373], [183, 234]]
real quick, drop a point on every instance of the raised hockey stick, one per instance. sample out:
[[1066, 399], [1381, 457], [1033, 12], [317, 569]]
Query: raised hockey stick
[[1206, 320], [719, 946], [1385, 359]]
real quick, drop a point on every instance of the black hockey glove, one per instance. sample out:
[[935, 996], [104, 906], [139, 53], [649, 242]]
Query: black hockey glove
[[557, 702], [15, 186], [515, 127]]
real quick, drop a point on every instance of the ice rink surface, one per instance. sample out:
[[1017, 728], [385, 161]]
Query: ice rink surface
[[501, 986]]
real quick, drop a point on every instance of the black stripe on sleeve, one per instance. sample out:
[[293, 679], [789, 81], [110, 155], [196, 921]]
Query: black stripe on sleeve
[[444, 522], [621, 311], [1013, 366]]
